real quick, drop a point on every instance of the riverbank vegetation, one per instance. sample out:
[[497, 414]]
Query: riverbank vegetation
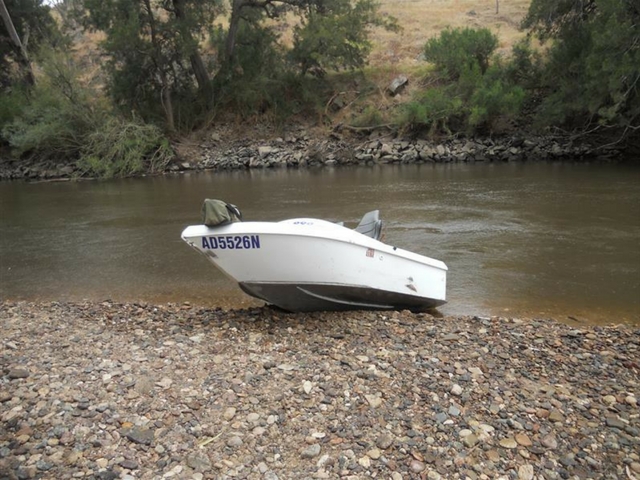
[[110, 85]]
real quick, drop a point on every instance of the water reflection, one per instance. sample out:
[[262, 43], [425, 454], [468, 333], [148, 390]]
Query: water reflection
[[540, 239]]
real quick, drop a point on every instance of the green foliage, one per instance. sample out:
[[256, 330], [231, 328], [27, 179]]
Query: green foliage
[[153, 54], [264, 77], [435, 110], [262, 82], [592, 74], [459, 49], [371, 116], [64, 121], [275, 98], [525, 65], [550, 17], [153, 48], [50, 125], [481, 93], [255, 85], [124, 147], [335, 35], [31, 16], [260, 54], [494, 98], [11, 104]]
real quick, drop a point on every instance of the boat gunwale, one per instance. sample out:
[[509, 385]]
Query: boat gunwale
[[349, 236]]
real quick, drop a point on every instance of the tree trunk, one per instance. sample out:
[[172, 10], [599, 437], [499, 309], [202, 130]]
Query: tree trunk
[[167, 105], [234, 24], [200, 71], [197, 65], [23, 58], [165, 94], [497, 7]]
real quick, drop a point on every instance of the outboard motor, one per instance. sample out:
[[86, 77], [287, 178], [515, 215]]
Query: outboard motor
[[371, 225]]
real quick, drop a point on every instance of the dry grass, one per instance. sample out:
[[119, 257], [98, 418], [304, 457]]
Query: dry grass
[[423, 19], [400, 53]]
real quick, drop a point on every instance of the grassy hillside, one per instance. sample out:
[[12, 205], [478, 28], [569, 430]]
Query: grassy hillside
[[423, 19]]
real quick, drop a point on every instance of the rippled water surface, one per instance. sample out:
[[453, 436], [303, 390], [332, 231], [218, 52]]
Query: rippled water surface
[[559, 240]]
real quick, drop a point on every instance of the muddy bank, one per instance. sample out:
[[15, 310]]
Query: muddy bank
[[106, 390], [302, 148]]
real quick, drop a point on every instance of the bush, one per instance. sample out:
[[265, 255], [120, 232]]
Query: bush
[[474, 103], [67, 122], [124, 147], [253, 85], [458, 49], [49, 126], [479, 94], [12, 102], [493, 99], [436, 110], [525, 65], [371, 116]]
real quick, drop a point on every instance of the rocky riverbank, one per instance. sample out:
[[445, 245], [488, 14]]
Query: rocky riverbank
[[129, 391], [300, 149]]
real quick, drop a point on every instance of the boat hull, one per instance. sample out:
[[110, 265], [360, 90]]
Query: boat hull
[[308, 264], [317, 297]]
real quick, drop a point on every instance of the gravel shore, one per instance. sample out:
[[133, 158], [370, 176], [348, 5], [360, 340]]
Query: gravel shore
[[106, 390]]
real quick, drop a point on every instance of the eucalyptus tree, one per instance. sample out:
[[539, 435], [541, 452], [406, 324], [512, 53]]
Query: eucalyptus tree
[[592, 75], [154, 47], [153, 51], [329, 34], [25, 24]]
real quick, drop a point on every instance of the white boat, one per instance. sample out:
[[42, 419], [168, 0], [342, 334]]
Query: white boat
[[306, 264]]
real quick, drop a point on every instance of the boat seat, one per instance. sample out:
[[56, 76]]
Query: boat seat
[[370, 225]]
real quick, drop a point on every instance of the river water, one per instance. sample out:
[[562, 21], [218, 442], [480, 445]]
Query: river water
[[551, 240]]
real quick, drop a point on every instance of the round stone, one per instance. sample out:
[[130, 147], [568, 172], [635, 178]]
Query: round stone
[[525, 472], [311, 451], [417, 466], [509, 443]]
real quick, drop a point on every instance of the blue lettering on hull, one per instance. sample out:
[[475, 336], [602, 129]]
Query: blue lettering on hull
[[231, 242]]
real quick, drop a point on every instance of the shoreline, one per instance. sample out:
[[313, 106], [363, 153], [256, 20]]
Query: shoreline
[[136, 390], [298, 148]]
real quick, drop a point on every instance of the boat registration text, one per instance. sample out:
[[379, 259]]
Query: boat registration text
[[231, 242]]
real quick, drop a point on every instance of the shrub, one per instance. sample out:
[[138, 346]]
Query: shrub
[[65, 121], [12, 102], [525, 65], [256, 83], [475, 102], [457, 49], [479, 94], [49, 126], [371, 116], [124, 147], [493, 99], [436, 110]]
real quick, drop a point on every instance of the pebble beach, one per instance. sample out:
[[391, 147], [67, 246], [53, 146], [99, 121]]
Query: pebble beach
[[104, 390]]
